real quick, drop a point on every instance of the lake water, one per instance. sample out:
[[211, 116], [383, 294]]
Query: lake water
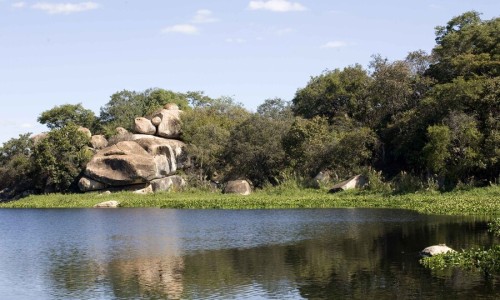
[[233, 254]]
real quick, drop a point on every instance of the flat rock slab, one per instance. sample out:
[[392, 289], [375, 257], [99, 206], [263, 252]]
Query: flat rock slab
[[108, 204]]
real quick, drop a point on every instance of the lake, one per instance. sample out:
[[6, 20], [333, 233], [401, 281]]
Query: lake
[[233, 254]]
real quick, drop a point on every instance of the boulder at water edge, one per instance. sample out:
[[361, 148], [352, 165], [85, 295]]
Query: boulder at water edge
[[241, 187], [107, 204]]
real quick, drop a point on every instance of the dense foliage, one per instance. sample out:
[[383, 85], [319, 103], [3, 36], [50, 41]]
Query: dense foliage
[[428, 121]]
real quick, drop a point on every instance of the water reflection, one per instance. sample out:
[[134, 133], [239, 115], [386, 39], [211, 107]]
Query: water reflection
[[285, 254]]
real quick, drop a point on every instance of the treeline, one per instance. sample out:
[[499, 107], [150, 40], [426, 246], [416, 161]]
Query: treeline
[[427, 121]]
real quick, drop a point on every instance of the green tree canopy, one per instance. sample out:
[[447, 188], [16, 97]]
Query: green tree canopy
[[336, 94], [66, 114], [60, 157]]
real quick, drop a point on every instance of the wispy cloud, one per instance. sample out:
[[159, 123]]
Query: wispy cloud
[[26, 125], [204, 16], [64, 8], [276, 6], [201, 16], [18, 5], [334, 44], [181, 28]]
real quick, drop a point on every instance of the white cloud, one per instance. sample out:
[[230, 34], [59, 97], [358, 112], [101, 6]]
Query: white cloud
[[334, 44], [64, 8], [181, 28], [19, 5], [26, 125], [204, 16], [276, 6]]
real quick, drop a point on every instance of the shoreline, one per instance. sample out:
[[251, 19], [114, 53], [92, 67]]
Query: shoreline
[[477, 201]]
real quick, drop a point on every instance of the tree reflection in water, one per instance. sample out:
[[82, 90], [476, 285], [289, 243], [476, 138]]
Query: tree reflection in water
[[350, 260]]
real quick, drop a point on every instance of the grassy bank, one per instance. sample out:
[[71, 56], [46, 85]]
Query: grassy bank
[[479, 201]]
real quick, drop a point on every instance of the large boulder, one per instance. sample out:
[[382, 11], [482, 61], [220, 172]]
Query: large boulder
[[170, 125], [241, 187], [87, 185], [435, 250], [168, 153], [122, 164], [144, 126], [357, 181], [166, 184], [98, 142]]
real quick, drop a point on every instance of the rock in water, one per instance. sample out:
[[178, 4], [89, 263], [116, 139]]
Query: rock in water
[[435, 250]]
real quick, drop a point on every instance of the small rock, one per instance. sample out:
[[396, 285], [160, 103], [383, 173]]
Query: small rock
[[241, 187], [85, 131], [435, 250], [143, 191], [357, 181], [156, 121], [98, 142], [107, 204], [86, 184], [144, 126]]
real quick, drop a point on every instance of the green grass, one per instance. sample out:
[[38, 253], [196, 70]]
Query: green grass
[[478, 201]]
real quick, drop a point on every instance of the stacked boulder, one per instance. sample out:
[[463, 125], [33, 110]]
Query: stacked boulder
[[145, 161]]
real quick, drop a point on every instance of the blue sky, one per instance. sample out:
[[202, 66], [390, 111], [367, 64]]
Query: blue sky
[[55, 52]]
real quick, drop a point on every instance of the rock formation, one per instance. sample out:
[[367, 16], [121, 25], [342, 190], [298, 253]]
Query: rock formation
[[143, 161]]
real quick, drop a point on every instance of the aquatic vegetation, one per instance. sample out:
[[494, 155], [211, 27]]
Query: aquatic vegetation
[[479, 259], [478, 201]]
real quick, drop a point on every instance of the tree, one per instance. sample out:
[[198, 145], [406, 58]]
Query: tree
[[206, 129], [466, 47], [307, 145], [276, 109], [66, 114], [436, 151], [16, 164], [336, 95], [255, 152], [60, 158]]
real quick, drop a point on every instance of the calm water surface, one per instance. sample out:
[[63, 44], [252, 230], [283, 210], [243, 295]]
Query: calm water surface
[[233, 254]]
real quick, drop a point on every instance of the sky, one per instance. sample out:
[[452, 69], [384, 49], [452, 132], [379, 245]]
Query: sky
[[55, 52]]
